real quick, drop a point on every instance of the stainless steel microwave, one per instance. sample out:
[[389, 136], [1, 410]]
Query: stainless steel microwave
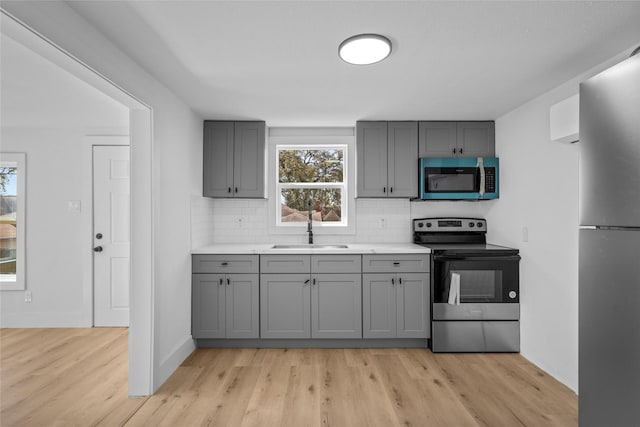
[[459, 178]]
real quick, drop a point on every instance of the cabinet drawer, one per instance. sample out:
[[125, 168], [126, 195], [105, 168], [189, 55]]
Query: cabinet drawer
[[336, 263], [392, 263], [224, 264], [285, 264]]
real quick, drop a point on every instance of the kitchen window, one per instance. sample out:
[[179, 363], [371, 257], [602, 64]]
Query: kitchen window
[[12, 221], [312, 169], [311, 178]]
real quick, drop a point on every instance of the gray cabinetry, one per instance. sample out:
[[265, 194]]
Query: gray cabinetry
[[233, 155], [224, 299], [396, 302], [285, 308], [456, 139], [318, 303], [387, 159]]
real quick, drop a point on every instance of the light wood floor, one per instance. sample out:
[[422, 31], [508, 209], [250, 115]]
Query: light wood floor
[[78, 377]]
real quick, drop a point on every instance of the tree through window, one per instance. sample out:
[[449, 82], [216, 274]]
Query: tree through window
[[311, 174]]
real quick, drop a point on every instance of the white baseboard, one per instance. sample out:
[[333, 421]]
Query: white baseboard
[[170, 363], [44, 320]]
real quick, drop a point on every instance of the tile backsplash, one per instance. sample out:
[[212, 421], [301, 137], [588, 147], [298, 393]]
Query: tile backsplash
[[218, 221]]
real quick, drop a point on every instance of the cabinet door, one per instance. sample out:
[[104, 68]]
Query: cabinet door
[[208, 306], [217, 168], [285, 306], [336, 306], [371, 157], [402, 156], [242, 306], [413, 313], [476, 139], [437, 139], [378, 306], [248, 164]]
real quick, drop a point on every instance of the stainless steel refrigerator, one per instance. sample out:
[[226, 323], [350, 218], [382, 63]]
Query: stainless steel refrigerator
[[609, 256]]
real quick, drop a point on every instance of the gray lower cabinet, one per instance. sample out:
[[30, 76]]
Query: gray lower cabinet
[[395, 304], [318, 303], [285, 307], [225, 303]]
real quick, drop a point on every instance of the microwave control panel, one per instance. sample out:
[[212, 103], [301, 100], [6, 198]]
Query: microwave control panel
[[490, 180]]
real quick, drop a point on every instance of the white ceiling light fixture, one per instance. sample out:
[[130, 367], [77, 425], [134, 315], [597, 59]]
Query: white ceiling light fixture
[[365, 49]]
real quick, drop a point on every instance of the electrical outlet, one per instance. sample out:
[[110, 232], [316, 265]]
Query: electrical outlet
[[27, 296], [383, 223]]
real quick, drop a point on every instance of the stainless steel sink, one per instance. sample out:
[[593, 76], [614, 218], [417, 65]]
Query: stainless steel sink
[[310, 247]]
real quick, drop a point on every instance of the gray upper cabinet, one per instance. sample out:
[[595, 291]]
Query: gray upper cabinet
[[225, 301], [233, 156], [456, 139], [387, 158]]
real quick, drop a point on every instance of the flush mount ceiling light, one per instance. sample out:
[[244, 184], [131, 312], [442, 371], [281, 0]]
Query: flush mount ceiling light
[[365, 49]]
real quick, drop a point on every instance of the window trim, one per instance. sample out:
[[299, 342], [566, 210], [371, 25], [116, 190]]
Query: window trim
[[317, 137], [18, 160]]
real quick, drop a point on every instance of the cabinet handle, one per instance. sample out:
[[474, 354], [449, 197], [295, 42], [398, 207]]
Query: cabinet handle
[[306, 282], [400, 280], [236, 189], [228, 282], [460, 151], [314, 281], [393, 282], [453, 151], [229, 190], [221, 281], [390, 189], [384, 189]]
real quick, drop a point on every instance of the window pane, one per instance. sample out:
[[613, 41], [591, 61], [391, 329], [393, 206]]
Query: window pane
[[311, 165], [326, 204], [8, 220]]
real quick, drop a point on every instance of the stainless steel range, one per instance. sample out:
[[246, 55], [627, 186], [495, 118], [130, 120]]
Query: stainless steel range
[[475, 287]]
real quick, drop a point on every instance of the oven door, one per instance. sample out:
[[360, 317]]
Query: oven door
[[476, 287]]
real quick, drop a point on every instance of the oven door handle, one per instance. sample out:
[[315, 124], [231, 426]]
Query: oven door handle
[[476, 258]]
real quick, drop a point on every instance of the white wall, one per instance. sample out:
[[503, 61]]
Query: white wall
[[539, 192], [55, 243], [176, 168]]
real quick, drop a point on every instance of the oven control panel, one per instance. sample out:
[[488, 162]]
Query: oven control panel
[[448, 225]]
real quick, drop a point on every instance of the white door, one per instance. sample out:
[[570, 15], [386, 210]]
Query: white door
[[111, 216]]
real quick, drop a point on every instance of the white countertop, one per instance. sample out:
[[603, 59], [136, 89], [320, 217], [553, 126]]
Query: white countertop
[[352, 248]]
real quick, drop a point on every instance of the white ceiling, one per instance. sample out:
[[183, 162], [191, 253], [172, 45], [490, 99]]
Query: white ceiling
[[39, 94], [277, 61]]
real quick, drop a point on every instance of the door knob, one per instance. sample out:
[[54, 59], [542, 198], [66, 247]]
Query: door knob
[[97, 249]]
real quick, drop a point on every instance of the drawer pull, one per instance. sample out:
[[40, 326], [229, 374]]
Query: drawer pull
[[396, 263], [224, 264]]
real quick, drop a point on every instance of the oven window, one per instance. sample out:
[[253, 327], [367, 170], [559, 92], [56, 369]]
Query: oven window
[[451, 180], [479, 285]]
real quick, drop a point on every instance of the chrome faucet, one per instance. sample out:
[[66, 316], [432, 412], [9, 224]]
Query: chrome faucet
[[310, 223]]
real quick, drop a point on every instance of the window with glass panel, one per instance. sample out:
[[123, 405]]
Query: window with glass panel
[[311, 179], [12, 221]]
